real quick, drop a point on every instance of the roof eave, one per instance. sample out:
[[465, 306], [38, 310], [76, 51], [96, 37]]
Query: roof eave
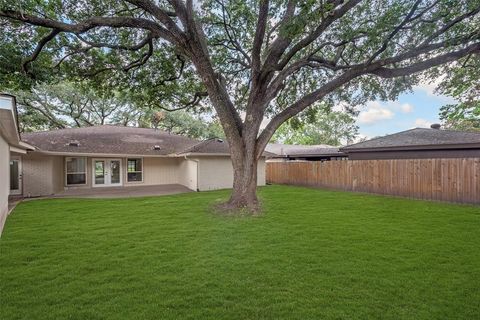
[[310, 155], [209, 154], [106, 155]]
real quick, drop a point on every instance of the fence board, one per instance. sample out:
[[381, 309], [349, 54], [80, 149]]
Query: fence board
[[454, 180]]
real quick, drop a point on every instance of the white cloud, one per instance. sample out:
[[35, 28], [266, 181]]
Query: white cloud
[[429, 86], [422, 123], [374, 112], [406, 108]]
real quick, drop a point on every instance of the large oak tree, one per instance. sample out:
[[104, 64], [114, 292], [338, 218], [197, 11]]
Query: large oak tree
[[252, 60]]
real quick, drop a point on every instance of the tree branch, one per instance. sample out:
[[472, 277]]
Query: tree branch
[[38, 49], [135, 47], [335, 15], [91, 23], [375, 68], [162, 15], [259, 36], [197, 98], [426, 64], [392, 34], [142, 60]]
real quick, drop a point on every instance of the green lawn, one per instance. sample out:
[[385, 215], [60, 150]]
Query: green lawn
[[314, 254]]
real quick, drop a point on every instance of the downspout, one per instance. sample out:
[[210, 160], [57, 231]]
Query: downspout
[[196, 162]]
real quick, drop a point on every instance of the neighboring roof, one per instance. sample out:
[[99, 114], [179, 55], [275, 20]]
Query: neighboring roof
[[109, 139], [419, 138], [319, 152], [288, 150]]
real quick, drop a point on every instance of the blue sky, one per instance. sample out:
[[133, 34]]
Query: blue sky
[[419, 108]]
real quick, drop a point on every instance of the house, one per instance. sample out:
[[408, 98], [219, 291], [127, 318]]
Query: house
[[418, 143], [11, 148], [320, 152], [108, 156], [76, 159]]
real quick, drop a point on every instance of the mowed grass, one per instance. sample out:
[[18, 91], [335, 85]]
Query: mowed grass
[[313, 254]]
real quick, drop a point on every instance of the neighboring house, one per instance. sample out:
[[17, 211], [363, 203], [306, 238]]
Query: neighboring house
[[320, 152], [114, 156], [11, 149], [417, 143]]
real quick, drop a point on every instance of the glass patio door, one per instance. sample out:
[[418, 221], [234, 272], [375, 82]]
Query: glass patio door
[[114, 172], [107, 172], [99, 167]]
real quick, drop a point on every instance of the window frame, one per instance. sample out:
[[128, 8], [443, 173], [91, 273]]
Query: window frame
[[67, 173], [127, 172]]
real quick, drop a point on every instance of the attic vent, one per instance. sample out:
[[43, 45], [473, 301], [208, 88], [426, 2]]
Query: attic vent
[[156, 147], [435, 126], [73, 143], [219, 140]]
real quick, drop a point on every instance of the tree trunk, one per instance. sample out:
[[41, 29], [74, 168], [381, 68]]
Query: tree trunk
[[244, 193]]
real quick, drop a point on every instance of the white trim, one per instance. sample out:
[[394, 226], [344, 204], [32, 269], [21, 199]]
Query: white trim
[[18, 150], [107, 166], [122, 155], [66, 173], [26, 145], [126, 170], [199, 154]]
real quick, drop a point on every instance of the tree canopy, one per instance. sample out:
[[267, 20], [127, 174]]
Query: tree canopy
[[318, 127], [463, 84], [64, 105]]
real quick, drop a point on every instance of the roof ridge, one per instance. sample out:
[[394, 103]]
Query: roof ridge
[[193, 147], [459, 131], [381, 137]]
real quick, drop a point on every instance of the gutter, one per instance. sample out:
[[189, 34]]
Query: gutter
[[211, 154]]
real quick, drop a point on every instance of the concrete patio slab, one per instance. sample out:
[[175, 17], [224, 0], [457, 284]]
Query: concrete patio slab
[[123, 192]]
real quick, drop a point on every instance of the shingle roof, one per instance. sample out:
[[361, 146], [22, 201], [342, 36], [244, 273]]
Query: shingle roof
[[214, 145], [108, 139], [418, 138]]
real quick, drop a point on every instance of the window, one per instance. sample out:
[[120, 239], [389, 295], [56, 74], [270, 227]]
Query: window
[[76, 171], [134, 170]]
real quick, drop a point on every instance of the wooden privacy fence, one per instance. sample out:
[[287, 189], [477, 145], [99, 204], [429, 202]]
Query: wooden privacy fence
[[455, 180]]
